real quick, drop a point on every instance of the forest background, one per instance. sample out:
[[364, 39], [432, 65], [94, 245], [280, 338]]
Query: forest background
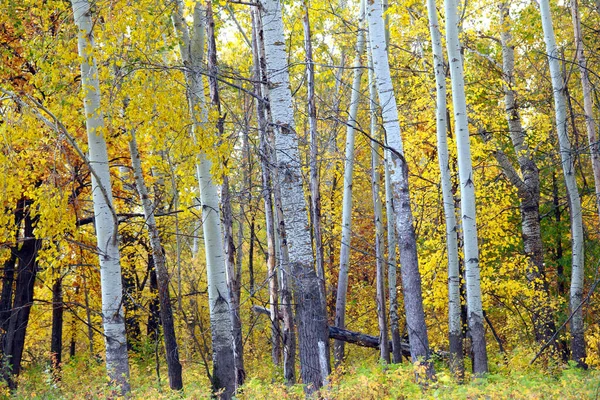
[[52, 289]]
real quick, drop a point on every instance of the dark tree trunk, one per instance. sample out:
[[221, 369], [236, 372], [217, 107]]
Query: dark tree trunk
[[14, 337], [72, 345], [57, 326], [8, 277], [153, 325]]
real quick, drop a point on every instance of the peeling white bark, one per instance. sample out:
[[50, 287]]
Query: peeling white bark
[[467, 191], [566, 155], [192, 51], [454, 317], [293, 203], [411, 278], [106, 225]]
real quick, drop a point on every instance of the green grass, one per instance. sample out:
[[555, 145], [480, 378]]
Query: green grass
[[512, 378]]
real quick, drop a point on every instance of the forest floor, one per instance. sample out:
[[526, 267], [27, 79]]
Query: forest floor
[[510, 378]]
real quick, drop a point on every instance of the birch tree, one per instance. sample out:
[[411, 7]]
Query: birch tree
[[467, 192], [342, 288], [192, 50], [265, 161], [162, 275], [528, 187], [234, 274], [310, 312], [454, 318], [566, 154], [384, 348], [104, 213], [411, 277]]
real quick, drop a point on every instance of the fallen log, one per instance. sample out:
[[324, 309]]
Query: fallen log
[[357, 338]]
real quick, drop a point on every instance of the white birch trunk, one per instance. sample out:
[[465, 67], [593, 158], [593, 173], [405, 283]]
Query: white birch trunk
[[384, 348], [392, 260], [342, 288], [411, 277], [265, 161], [105, 217], [311, 317], [392, 263], [454, 317], [192, 50], [467, 192], [566, 155]]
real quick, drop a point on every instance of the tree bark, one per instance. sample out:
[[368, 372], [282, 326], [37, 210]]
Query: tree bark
[[106, 223], [265, 161], [454, 317], [162, 275], [192, 54], [315, 192], [342, 287], [13, 338], [588, 104], [392, 261], [57, 327], [578, 351], [528, 189], [293, 204], [378, 216], [234, 275], [467, 193], [411, 277]]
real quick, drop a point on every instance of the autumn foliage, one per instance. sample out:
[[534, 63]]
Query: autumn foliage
[[44, 182]]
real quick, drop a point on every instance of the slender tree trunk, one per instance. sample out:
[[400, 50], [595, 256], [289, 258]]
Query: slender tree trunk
[[162, 275], [315, 192], [528, 189], [411, 278], [310, 311], [233, 273], [153, 325], [8, 277], [454, 320], [392, 262], [57, 327], [384, 348], [16, 325], [342, 288], [281, 248], [73, 344], [566, 154], [105, 217], [467, 192], [588, 104], [192, 53], [265, 160]]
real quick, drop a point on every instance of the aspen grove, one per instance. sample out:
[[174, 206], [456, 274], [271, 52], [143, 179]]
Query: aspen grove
[[299, 199]]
